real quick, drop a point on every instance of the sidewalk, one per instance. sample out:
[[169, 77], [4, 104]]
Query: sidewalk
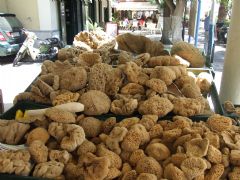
[[14, 80]]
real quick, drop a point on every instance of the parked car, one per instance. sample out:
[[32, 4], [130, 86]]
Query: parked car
[[11, 34]]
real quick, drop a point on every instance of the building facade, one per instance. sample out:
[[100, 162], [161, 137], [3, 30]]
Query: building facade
[[59, 18]]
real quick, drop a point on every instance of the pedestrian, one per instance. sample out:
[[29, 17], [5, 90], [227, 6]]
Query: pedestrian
[[206, 29]]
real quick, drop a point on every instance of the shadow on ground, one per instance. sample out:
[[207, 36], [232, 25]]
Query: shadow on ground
[[7, 59]]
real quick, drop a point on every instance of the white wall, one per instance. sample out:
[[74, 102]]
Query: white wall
[[48, 16], [26, 11], [48, 19], [3, 6]]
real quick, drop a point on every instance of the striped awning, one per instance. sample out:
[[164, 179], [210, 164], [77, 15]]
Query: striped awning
[[135, 6]]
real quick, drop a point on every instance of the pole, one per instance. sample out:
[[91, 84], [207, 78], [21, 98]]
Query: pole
[[63, 22], [211, 32], [230, 78], [197, 24]]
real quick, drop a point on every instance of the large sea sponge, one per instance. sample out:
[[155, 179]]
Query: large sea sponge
[[188, 52]]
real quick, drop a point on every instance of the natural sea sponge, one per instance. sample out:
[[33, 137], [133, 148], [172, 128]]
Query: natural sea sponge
[[108, 125], [156, 105], [89, 59], [166, 74], [39, 133], [50, 169], [73, 79], [99, 76], [60, 116], [157, 85], [11, 132], [59, 156], [132, 88], [38, 151], [187, 106], [115, 160], [75, 137], [149, 165], [197, 147], [136, 136], [219, 123], [132, 71], [148, 121], [85, 147], [193, 167], [163, 61], [136, 156], [95, 102], [215, 172], [115, 137], [188, 52], [65, 98], [158, 151], [124, 106], [92, 126], [174, 173], [147, 176]]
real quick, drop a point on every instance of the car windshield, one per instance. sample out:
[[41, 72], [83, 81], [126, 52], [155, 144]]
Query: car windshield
[[9, 23]]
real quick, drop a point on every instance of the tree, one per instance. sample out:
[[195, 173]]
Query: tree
[[224, 10], [172, 22]]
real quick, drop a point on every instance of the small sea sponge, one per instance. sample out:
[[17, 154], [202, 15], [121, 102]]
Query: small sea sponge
[[158, 151], [73, 79], [50, 169], [124, 106], [95, 102], [156, 131], [156, 105], [148, 121], [60, 116], [59, 156], [157, 85], [187, 106], [219, 123], [136, 156], [166, 74], [215, 172], [132, 88], [147, 176], [39, 133], [174, 173], [108, 125], [38, 151], [149, 165], [193, 167], [85, 147], [92, 126], [115, 137], [197, 147], [89, 59]]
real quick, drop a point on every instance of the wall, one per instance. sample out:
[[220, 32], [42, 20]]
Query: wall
[[3, 6], [48, 18], [26, 12], [40, 16]]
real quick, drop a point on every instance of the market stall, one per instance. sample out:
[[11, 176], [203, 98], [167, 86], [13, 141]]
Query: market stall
[[136, 112]]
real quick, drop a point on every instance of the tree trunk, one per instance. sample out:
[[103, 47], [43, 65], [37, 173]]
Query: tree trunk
[[166, 25], [176, 24], [222, 12]]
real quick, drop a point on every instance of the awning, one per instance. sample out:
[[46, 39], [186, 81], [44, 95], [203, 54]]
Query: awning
[[135, 6]]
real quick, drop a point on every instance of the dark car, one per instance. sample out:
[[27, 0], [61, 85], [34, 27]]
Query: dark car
[[11, 34]]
